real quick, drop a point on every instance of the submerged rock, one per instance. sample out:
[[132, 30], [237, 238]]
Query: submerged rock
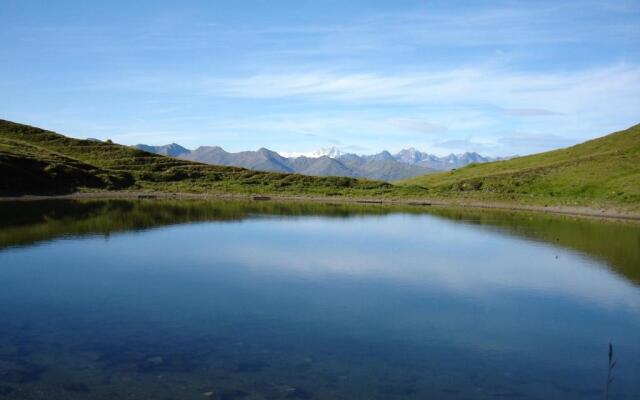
[[155, 360], [76, 387], [251, 366], [300, 394], [296, 393], [231, 394], [5, 390], [20, 371]]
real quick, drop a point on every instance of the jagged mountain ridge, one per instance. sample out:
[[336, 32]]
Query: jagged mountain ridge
[[451, 161], [171, 150], [385, 166]]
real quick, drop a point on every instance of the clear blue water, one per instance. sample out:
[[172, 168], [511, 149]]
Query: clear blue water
[[314, 304]]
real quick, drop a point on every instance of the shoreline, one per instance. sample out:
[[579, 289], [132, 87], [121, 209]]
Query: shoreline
[[579, 211]]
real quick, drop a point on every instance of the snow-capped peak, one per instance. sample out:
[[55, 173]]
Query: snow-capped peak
[[332, 152]]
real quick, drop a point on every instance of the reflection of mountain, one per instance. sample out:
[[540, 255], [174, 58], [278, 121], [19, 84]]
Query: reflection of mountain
[[26, 223]]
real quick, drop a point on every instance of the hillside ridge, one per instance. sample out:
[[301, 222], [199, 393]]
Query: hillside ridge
[[603, 169], [37, 161]]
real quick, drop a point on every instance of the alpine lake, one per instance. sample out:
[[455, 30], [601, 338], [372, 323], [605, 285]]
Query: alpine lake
[[189, 299]]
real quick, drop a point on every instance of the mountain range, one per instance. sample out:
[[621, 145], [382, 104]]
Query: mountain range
[[602, 174], [383, 166]]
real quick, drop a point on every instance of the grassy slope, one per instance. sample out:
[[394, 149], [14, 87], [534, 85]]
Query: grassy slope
[[603, 171], [37, 161]]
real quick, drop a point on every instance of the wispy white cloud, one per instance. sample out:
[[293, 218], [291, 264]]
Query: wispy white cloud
[[520, 92], [529, 112], [429, 76], [464, 145], [572, 104], [418, 125], [535, 141], [437, 110]]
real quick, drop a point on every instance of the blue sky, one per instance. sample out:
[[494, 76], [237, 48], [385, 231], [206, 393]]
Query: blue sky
[[499, 77]]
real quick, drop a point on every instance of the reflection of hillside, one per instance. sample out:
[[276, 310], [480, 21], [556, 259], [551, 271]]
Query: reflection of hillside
[[25, 223], [28, 222], [614, 243]]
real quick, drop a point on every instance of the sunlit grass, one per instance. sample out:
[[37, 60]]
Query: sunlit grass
[[605, 170]]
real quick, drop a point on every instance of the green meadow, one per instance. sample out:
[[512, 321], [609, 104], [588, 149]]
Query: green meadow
[[603, 172]]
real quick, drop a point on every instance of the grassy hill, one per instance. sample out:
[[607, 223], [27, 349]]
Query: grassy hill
[[601, 172], [36, 161], [598, 172]]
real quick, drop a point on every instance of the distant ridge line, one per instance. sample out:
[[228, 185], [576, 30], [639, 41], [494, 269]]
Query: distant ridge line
[[384, 166]]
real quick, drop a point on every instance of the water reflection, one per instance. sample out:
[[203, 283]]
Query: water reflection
[[265, 300], [616, 244]]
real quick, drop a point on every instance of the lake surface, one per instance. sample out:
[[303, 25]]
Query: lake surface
[[195, 300]]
